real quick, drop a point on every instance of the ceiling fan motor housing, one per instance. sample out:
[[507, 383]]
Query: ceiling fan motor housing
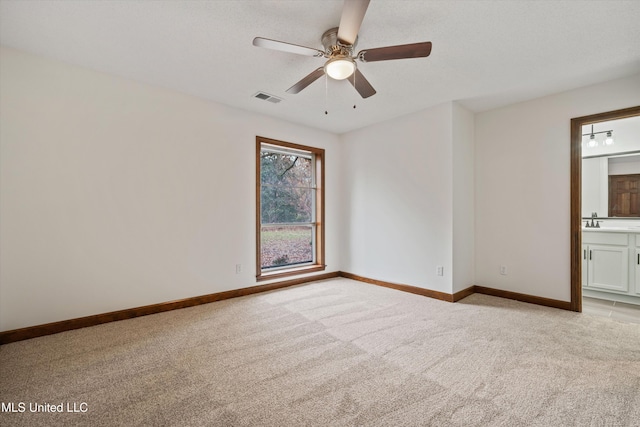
[[333, 46]]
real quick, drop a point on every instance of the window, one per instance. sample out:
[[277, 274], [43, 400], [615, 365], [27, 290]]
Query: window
[[290, 208]]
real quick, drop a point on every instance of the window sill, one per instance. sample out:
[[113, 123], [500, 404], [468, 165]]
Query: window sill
[[290, 272]]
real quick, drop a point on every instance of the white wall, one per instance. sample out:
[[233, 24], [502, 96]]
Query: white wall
[[595, 184], [116, 194], [523, 187], [403, 179], [397, 200], [627, 165]]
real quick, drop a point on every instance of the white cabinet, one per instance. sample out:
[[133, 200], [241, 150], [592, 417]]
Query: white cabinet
[[585, 265], [636, 267], [608, 267], [611, 265], [605, 261]]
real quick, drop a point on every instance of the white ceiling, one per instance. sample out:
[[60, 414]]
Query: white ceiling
[[485, 54]]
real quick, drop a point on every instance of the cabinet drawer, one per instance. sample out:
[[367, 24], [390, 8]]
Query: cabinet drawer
[[602, 238]]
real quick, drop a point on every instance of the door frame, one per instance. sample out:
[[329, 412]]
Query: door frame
[[576, 194]]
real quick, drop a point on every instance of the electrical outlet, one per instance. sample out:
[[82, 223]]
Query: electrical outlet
[[503, 270], [440, 270], [238, 268]]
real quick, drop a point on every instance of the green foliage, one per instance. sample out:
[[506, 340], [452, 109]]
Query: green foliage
[[286, 192]]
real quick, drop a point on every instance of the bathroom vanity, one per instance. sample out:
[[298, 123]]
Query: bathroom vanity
[[611, 263]]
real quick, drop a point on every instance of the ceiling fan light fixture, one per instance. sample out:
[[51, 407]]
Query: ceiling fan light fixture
[[340, 67]]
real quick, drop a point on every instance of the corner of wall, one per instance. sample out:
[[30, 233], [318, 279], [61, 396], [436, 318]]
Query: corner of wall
[[463, 170]]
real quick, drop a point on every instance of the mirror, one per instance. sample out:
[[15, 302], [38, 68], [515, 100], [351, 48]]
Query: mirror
[[611, 169]]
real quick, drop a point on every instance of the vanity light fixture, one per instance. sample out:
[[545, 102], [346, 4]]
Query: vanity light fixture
[[593, 142], [609, 139]]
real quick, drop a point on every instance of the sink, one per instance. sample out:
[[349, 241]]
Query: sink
[[607, 228]]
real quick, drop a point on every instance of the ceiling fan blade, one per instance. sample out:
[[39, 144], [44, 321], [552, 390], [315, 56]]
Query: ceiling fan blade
[[361, 84], [306, 81], [286, 47], [352, 15], [413, 50]]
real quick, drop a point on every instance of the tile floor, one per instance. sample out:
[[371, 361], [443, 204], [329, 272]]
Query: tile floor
[[621, 311]]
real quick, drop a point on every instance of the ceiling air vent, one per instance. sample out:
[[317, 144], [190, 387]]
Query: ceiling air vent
[[267, 97]]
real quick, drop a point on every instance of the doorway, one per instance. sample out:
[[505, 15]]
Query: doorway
[[576, 195]]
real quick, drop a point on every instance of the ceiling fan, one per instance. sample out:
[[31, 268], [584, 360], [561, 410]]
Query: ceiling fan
[[339, 44]]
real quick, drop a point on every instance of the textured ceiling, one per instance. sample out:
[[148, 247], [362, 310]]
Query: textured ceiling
[[485, 54]]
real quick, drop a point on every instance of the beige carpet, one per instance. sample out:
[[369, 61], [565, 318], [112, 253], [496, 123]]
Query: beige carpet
[[334, 353]]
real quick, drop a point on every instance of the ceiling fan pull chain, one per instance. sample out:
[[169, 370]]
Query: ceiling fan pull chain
[[326, 91], [354, 85]]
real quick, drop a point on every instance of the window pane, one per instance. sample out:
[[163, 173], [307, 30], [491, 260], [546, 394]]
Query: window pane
[[285, 170], [286, 204], [286, 245]]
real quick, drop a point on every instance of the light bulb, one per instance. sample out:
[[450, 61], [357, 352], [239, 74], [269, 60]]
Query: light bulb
[[592, 141], [609, 139], [339, 67]]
